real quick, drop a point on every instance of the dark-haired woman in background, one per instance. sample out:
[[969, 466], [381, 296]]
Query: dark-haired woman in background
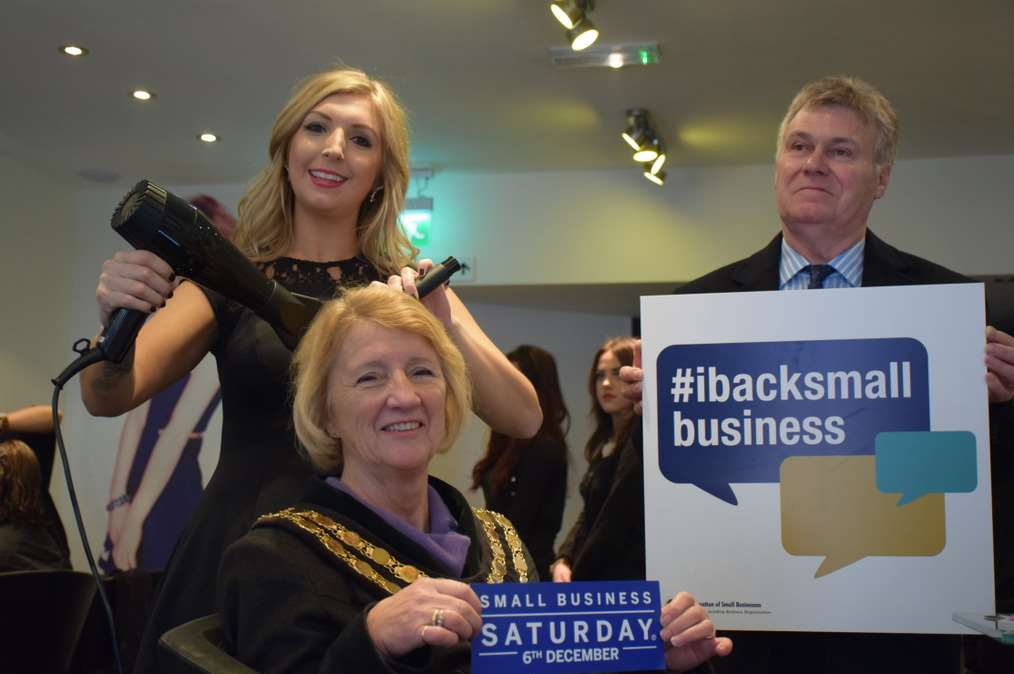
[[526, 480], [33, 425], [607, 541], [27, 539]]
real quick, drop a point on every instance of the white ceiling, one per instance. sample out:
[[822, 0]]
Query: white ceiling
[[476, 78]]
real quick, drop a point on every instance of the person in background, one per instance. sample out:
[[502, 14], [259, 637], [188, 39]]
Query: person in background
[[33, 425], [27, 541], [321, 217], [526, 480], [607, 541], [370, 571]]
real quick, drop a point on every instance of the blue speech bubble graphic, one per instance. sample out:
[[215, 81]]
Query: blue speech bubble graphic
[[731, 413], [918, 463]]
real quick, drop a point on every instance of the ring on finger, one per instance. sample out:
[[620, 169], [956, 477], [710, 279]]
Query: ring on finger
[[438, 617]]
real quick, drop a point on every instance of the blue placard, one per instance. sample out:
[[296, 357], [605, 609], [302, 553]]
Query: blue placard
[[610, 626], [731, 413]]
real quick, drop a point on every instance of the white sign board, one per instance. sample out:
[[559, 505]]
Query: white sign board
[[819, 461]]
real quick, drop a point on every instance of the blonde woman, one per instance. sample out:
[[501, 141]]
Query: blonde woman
[[321, 217], [370, 572]]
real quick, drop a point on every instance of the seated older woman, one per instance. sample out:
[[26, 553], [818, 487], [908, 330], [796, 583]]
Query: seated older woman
[[371, 571]]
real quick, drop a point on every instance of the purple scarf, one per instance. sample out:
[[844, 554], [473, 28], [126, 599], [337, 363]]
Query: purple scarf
[[443, 542]]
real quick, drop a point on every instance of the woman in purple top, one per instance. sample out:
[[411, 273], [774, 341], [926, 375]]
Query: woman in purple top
[[370, 571]]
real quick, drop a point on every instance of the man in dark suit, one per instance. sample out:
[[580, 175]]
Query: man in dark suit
[[835, 152]]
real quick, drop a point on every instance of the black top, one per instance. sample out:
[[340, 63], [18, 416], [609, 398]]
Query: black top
[[25, 547], [607, 541], [533, 497], [44, 446], [259, 469], [295, 590]]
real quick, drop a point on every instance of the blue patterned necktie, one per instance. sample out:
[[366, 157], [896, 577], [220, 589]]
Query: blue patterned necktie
[[818, 273]]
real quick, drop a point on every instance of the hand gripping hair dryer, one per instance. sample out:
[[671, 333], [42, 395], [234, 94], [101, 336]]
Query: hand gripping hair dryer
[[152, 218]]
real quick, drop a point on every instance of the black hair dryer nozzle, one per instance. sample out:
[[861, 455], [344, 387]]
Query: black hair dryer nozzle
[[152, 218]]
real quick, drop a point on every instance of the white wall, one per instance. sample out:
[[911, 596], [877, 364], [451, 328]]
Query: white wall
[[37, 240], [615, 227]]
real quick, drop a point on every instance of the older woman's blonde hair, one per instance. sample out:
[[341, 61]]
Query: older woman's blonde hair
[[858, 96], [313, 364], [265, 228]]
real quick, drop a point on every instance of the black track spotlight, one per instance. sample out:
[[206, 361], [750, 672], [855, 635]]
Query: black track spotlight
[[650, 151], [582, 35], [638, 130], [573, 15], [656, 166], [641, 137], [567, 12], [657, 178]]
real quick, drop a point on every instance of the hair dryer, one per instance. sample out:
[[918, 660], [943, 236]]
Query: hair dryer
[[152, 218]]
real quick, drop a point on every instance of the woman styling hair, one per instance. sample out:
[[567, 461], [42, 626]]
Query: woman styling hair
[[320, 218]]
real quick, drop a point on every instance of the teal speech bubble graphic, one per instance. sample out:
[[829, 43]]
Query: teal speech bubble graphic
[[917, 463]]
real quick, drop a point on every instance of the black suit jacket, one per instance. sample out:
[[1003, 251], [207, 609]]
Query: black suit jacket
[[883, 265]]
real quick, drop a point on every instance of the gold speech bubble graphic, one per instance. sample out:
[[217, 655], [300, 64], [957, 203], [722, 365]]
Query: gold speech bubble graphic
[[831, 507]]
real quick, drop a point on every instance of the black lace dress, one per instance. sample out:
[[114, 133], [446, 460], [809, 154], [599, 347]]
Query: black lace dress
[[259, 469]]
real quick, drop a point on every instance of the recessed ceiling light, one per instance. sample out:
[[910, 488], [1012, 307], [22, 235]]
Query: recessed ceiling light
[[143, 94], [615, 60], [208, 137], [73, 50]]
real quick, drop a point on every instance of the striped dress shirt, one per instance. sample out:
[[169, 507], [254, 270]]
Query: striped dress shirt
[[848, 268]]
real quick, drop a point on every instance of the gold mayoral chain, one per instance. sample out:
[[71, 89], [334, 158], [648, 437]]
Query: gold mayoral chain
[[348, 546], [489, 521], [358, 553]]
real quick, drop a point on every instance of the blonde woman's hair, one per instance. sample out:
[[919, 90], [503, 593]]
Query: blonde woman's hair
[[314, 360], [858, 96], [265, 228]]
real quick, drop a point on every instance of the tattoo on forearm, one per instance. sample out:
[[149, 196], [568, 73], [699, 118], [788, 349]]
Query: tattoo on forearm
[[111, 375]]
